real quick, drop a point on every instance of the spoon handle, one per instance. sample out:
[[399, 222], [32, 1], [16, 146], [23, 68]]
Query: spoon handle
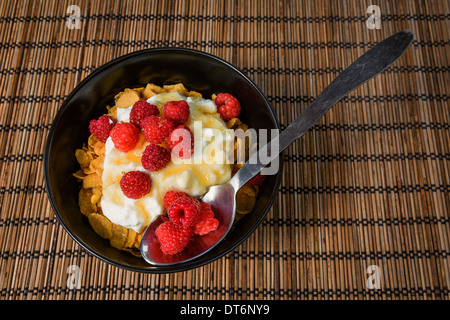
[[371, 63]]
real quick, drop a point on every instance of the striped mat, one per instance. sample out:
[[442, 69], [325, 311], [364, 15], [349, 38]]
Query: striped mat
[[363, 207]]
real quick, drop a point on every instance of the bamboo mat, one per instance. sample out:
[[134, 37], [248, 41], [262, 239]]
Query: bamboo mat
[[367, 186]]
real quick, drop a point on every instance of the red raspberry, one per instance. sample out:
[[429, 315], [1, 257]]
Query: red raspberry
[[125, 136], [156, 129], [173, 237], [257, 180], [171, 196], [206, 211], [206, 222], [141, 110], [206, 226], [135, 184], [227, 106], [177, 111], [184, 210], [183, 139], [101, 127], [155, 157]]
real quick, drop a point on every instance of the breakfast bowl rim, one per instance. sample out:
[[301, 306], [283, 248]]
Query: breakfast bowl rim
[[85, 81]]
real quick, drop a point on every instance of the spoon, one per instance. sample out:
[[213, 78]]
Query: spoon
[[222, 198]]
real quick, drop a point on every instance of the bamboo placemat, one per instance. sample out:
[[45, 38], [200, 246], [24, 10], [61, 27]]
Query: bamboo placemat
[[367, 186]]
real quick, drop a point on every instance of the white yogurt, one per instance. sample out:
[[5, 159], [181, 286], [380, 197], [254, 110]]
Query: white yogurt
[[193, 176]]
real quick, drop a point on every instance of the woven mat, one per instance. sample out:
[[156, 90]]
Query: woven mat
[[362, 212]]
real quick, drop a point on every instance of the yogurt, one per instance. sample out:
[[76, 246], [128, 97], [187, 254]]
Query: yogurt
[[207, 167]]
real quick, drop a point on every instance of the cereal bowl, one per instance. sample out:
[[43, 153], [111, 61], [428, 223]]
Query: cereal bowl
[[200, 72]]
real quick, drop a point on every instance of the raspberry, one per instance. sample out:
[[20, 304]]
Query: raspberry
[[177, 111], [135, 184], [227, 106], [206, 226], [181, 138], [173, 237], [156, 129], [141, 110], [101, 127], [125, 136], [257, 180], [206, 211], [184, 210], [171, 196], [155, 157], [206, 222]]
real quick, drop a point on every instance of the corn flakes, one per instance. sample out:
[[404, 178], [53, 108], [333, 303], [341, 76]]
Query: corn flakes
[[91, 157]]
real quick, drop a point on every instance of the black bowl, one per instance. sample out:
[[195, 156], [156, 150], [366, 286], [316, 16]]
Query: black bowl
[[199, 71]]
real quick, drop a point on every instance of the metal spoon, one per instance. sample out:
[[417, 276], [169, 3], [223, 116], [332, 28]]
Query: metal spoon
[[222, 198]]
